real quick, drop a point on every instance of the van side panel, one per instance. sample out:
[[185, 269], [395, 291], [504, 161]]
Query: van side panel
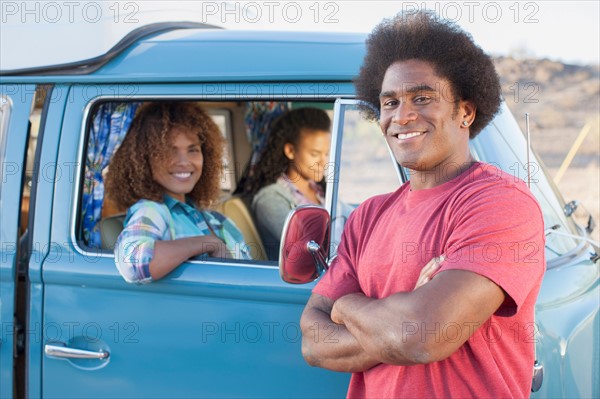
[[19, 98]]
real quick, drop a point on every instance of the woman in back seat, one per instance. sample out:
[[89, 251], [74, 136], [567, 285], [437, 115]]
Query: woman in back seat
[[290, 171], [167, 172]]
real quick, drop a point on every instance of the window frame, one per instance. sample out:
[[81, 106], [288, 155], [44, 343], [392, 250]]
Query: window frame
[[91, 104]]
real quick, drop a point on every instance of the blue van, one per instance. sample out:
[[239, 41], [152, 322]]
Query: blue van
[[72, 327]]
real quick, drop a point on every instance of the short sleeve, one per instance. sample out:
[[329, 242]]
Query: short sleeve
[[341, 278], [144, 224], [498, 233]]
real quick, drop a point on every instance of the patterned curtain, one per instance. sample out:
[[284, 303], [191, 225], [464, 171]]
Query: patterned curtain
[[109, 126], [259, 118]]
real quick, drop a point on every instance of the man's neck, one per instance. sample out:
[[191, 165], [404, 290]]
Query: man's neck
[[425, 179]]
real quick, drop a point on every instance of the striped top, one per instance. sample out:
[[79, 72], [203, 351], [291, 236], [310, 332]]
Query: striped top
[[148, 221]]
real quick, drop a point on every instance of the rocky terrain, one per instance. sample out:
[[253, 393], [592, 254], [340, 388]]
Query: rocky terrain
[[560, 99]]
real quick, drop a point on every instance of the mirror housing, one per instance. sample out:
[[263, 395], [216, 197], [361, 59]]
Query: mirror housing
[[304, 244]]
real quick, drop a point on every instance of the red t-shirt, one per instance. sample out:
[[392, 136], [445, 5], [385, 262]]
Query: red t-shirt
[[484, 221]]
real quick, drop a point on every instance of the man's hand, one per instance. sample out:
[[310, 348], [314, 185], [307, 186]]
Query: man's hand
[[429, 269]]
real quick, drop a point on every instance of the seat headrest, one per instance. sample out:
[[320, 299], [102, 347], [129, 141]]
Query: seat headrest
[[110, 228]]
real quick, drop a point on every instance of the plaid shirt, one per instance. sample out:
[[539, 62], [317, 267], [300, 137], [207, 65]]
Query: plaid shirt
[[149, 221]]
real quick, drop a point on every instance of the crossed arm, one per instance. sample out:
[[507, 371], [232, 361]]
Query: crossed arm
[[356, 333]]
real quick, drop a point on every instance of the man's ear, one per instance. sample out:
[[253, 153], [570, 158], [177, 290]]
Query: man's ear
[[467, 111], [289, 151]]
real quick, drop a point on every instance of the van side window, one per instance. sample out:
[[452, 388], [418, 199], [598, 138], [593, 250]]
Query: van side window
[[366, 168], [31, 174], [101, 219]]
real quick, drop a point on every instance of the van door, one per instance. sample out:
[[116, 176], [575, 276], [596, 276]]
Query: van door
[[15, 106], [209, 329]]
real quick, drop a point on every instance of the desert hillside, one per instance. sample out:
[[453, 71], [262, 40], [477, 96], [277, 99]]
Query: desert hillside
[[560, 100]]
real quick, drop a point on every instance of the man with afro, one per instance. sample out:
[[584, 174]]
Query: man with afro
[[475, 232]]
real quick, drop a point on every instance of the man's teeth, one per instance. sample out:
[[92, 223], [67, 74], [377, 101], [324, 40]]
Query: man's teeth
[[182, 175], [409, 135]]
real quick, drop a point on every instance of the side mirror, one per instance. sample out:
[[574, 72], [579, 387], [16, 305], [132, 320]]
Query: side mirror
[[304, 244]]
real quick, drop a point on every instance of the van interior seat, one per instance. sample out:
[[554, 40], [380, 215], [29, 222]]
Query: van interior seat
[[110, 228], [233, 207]]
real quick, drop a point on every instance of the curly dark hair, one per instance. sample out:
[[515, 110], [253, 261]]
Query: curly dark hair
[[286, 129], [451, 51], [129, 176]]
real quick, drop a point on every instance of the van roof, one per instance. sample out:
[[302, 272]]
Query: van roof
[[176, 52]]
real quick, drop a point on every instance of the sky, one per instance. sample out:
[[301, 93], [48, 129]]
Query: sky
[[34, 33]]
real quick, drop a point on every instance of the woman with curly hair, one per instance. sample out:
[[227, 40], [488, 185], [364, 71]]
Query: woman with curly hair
[[167, 172], [290, 171]]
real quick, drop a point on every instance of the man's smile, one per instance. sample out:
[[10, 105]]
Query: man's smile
[[401, 136]]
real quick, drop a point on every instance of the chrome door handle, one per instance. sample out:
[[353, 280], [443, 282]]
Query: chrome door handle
[[538, 376], [72, 353]]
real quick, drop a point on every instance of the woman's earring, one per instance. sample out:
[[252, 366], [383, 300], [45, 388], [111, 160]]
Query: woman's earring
[[465, 123]]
